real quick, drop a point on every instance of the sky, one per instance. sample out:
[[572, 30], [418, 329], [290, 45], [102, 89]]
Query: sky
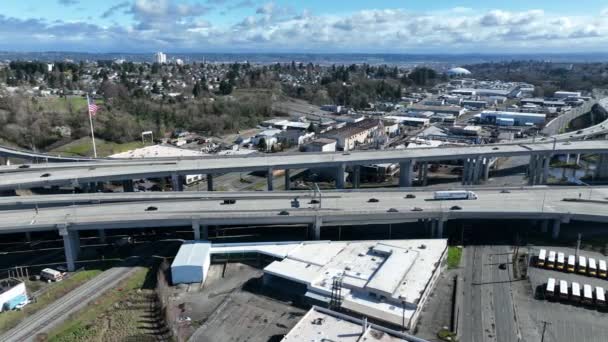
[[308, 26]]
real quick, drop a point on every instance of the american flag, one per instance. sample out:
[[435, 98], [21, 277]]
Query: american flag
[[93, 108]]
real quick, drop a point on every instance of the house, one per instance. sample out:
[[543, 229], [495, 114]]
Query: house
[[354, 134], [295, 137], [321, 145]]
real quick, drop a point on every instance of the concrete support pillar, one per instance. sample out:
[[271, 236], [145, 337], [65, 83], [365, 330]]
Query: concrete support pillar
[[405, 174], [71, 245], [556, 227], [465, 172], [92, 187], [269, 179], [544, 226], [340, 176], [533, 170], [486, 169], [439, 230], [546, 164], [568, 158], [316, 228], [287, 180], [209, 182], [177, 182], [28, 237], [601, 168], [356, 178], [3, 161], [196, 227], [477, 171], [127, 185], [425, 173], [102, 235], [578, 159], [420, 166]]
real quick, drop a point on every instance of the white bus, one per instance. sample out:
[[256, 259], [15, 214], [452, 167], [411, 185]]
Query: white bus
[[551, 260], [576, 292], [542, 255], [550, 289], [602, 268], [600, 296], [592, 267], [563, 289], [587, 294], [51, 275], [582, 264], [560, 261], [571, 263]]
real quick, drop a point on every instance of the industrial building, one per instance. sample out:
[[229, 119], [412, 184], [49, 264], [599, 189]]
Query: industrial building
[[12, 293], [450, 110], [320, 324], [354, 134], [388, 281], [513, 118], [321, 145], [191, 263]]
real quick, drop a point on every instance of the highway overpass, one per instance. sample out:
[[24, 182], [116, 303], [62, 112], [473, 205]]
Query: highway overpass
[[476, 164], [336, 208]]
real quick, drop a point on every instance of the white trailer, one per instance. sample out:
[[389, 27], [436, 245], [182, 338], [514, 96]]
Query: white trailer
[[560, 260], [587, 294], [550, 289], [600, 296], [551, 259], [571, 263], [576, 292], [602, 268], [563, 289], [542, 255], [455, 195], [582, 264], [592, 270]]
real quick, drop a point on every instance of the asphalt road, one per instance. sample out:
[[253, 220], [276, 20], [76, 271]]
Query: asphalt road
[[488, 313]]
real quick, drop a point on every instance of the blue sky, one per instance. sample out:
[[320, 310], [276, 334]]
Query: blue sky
[[304, 26]]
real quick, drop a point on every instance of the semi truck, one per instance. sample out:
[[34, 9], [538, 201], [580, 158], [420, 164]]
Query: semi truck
[[455, 195]]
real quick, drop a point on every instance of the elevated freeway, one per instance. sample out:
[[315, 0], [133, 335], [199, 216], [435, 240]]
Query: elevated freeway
[[336, 208], [476, 163]]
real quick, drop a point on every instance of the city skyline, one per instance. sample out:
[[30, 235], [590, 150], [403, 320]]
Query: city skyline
[[313, 27]]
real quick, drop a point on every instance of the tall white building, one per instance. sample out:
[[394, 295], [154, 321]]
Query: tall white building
[[160, 58]]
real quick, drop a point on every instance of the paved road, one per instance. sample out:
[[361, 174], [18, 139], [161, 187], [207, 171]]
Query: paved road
[[338, 207], [488, 311], [57, 312]]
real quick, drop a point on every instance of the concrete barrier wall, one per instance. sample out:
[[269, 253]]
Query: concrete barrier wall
[[561, 122]]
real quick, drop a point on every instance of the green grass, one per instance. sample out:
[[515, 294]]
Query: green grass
[[60, 104], [9, 320], [91, 322], [454, 255], [84, 147]]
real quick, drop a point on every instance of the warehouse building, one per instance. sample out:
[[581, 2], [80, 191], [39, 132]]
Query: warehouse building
[[349, 136], [12, 293], [512, 118], [191, 263]]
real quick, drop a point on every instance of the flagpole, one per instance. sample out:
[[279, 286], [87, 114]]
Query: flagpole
[[92, 132]]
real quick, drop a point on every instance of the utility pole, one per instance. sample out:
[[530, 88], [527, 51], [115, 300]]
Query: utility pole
[[542, 339], [578, 244]]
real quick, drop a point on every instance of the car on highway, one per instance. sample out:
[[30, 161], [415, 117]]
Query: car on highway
[[410, 196], [392, 210], [151, 208], [284, 213], [417, 209], [44, 175], [373, 200], [456, 207]]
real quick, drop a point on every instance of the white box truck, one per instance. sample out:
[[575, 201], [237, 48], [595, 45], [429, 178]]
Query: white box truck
[[455, 195]]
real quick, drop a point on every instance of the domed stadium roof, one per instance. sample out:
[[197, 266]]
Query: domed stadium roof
[[458, 71]]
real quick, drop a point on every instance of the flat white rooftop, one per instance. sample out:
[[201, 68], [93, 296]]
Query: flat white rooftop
[[324, 325], [157, 151]]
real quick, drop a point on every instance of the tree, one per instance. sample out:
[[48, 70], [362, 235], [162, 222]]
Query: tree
[[262, 146], [225, 88], [196, 91]]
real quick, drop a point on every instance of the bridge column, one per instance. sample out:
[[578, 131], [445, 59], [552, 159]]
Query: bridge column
[[92, 187], [465, 171], [127, 185], [269, 179], [425, 173], [439, 228], [209, 182], [71, 245], [287, 180], [546, 164], [544, 226], [196, 227], [477, 171], [102, 235], [533, 170], [556, 227], [340, 176], [601, 168], [578, 159], [3, 161], [405, 174], [177, 182], [28, 237], [316, 228], [356, 177], [486, 169]]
